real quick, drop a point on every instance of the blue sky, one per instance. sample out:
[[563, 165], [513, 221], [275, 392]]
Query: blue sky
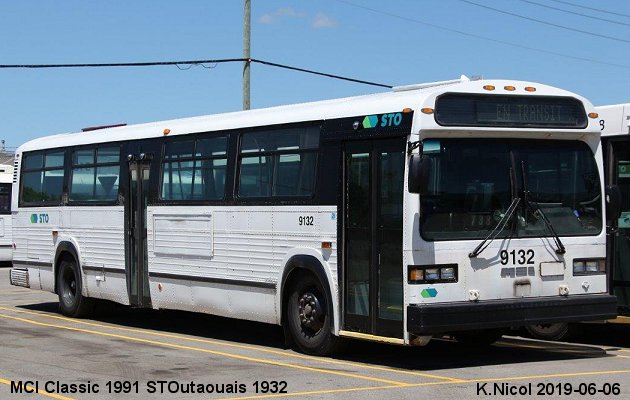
[[407, 41]]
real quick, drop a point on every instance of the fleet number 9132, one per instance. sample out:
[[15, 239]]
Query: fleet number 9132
[[517, 257]]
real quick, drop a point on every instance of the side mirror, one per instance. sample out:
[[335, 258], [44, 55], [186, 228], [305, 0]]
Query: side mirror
[[613, 202], [419, 173]]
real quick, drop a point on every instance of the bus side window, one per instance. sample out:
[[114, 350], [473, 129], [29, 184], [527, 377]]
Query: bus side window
[[42, 178], [194, 169], [279, 163], [95, 174]]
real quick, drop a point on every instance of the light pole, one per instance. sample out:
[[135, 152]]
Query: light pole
[[246, 53]]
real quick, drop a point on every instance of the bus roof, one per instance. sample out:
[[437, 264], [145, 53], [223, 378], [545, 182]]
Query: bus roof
[[412, 96], [616, 119]]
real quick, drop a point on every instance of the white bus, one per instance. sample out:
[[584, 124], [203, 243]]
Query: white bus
[[6, 242], [457, 207], [615, 128]]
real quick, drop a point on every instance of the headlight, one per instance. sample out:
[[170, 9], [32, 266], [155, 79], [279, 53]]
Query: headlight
[[444, 273], [432, 274], [447, 273], [589, 266]]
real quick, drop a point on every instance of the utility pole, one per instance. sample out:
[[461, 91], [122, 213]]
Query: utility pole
[[246, 52]]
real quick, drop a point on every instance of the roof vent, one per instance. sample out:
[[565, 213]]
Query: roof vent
[[96, 128], [405, 88]]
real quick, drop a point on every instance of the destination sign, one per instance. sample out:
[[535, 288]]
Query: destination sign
[[455, 109]]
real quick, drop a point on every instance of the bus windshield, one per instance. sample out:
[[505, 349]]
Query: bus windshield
[[474, 181]]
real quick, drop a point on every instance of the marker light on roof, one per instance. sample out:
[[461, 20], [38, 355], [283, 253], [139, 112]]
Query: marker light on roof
[[407, 110], [593, 115], [530, 89], [509, 88], [427, 110], [166, 131], [489, 87]]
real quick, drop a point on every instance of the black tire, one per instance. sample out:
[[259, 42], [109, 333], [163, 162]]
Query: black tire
[[71, 301], [309, 317], [484, 337], [552, 332]]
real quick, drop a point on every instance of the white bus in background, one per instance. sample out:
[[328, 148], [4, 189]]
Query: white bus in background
[[6, 242], [453, 208], [614, 123]]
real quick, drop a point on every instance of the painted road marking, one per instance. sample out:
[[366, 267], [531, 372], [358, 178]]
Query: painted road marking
[[42, 392], [416, 385], [213, 352], [619, 320], [393, 384], [239, 346]]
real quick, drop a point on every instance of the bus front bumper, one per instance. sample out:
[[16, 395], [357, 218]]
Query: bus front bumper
[[444, 318]]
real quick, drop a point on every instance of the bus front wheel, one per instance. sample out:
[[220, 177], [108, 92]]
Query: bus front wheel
[[72, 303], [309, 317]]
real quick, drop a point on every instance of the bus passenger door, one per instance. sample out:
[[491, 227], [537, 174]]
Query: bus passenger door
[[372, 231], [136, 230], [620, 176]]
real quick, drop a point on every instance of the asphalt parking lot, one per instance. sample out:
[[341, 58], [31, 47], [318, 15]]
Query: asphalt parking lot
[[125, 353]]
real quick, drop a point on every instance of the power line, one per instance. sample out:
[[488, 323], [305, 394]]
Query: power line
[[191, 63], [591, 8], [568, 28], [127, 64], [481, 37], [575, 13], [320, 73]]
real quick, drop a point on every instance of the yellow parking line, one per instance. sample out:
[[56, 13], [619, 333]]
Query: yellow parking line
[[214, 352], [42, 392], [620, 320], [567, 375], [270, 396], [582, 350], [240, 346], [416, 385], [329, 391]]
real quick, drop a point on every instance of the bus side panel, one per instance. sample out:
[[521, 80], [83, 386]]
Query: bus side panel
[[226, 261], [33, 232], [6, 242], [98, 234]]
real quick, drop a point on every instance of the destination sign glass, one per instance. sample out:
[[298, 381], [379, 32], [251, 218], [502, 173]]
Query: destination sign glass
[[453, 109]]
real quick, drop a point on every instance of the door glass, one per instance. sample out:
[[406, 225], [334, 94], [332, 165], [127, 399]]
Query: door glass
[[133, 240], [621, 276], [139, 293], [358, 233], [390, 216]]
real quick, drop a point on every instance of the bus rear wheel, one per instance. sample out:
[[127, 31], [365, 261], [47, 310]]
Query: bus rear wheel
[[72, 303], [554, 332], [309, 317]]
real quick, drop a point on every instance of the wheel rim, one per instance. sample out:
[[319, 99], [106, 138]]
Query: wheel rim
[[69, 286], [310, 312]]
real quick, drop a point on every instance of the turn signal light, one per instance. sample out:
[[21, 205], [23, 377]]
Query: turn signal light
[[593, 115]]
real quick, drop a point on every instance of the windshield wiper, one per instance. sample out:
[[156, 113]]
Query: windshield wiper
[[539, 213], [497, 229]]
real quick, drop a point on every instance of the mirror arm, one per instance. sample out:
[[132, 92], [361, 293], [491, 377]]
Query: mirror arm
[[411, 146]]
